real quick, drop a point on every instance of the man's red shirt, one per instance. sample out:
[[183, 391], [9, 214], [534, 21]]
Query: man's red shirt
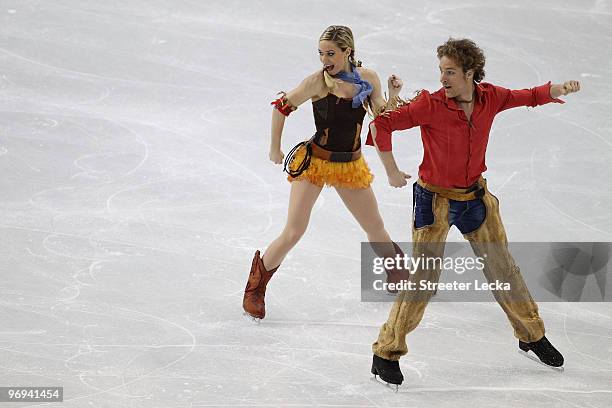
[[454, 148]]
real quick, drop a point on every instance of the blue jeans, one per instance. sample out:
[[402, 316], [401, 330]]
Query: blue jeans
[[465, 215]]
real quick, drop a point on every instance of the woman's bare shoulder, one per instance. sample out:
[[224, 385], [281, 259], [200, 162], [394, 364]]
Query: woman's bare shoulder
[[314, 80], [315, 83], [367, 73]]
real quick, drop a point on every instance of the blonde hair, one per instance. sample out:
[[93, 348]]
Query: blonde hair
[[342, 36]]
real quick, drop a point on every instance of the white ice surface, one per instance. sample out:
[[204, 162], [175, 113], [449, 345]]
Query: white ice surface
[[136, 186]]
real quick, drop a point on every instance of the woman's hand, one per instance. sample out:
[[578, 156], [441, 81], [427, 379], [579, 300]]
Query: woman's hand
[[276, 156], [394, 84]]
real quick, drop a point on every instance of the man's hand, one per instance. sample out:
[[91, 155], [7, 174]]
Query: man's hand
[[398, 179], [566, 88], [570, 87]]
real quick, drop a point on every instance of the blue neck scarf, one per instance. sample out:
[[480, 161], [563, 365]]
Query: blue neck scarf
[[364, 88]]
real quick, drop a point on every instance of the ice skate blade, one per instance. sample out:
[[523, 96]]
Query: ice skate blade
[[537, 360], [251, 319], [393, 387]]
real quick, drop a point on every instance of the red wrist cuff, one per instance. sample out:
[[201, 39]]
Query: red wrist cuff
[[283, 105]]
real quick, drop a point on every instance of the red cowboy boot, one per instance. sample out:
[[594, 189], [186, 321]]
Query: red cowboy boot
[[255, 291]]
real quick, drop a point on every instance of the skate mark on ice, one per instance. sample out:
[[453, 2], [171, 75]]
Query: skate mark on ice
[[556, 208], [577, 350], [500, 389], [191, 347], [80, 74]]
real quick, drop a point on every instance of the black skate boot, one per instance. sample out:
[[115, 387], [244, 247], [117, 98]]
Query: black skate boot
[[388, 371], [545, 351]]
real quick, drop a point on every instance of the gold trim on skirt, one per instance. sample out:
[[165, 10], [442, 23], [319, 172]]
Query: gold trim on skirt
[[354, 174]]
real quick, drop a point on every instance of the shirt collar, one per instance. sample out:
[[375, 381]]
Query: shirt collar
[[480, 91], [450, 103]]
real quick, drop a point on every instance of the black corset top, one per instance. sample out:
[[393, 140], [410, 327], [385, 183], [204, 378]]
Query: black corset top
[[338, 123]]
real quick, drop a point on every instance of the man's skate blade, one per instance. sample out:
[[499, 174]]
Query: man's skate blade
[[251, 319], [392, 387], [537, 360]]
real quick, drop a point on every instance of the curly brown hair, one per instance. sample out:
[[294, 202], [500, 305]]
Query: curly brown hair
[[466, 53]]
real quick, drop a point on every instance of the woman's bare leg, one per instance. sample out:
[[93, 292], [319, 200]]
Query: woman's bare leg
[[364, 207], [301, 200]]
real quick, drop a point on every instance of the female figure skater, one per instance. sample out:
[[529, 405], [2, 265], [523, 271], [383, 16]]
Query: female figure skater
[[340, 93]]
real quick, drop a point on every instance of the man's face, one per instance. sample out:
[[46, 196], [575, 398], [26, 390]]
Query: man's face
[[453, 79]]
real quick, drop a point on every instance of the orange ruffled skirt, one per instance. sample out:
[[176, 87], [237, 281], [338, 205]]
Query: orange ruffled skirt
[[353, 174]]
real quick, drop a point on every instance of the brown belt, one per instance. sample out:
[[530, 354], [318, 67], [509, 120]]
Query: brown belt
[[321, 153], [457, 194]]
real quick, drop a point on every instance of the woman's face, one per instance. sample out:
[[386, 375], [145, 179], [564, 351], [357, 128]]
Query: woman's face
[[332, 57]]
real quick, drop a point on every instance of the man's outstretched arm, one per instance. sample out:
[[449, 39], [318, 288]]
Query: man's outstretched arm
[[539, 95]]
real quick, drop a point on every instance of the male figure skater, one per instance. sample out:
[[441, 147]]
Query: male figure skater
[[455, 122]]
